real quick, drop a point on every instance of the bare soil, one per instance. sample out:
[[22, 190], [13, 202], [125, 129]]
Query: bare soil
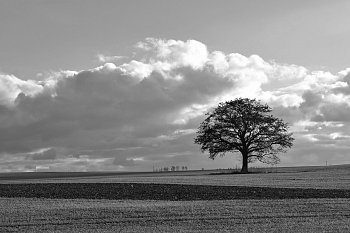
[[171, 192]]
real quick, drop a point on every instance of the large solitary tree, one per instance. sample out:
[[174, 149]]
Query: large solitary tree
[[246, 126]]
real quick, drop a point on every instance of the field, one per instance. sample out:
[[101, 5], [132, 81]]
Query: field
[[298, 215], [304, 199], [331, 177]]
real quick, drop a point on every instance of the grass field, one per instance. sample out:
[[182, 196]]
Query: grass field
[[303, 199], [331, 177]]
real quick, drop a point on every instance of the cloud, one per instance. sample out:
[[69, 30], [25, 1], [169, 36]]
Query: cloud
[[106, 59], [11, 87], [124, 162], [137, 69], [48, 154], [130, 113]]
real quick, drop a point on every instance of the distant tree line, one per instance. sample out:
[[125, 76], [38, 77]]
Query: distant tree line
[[171, 168]]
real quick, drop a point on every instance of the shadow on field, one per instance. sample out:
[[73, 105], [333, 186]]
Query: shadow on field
[[172, 192]]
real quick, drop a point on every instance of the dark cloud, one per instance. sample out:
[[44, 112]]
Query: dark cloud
[[311, 100], [334, 112], [347, 78]]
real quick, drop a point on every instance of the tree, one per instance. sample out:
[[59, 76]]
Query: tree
[[244, 125]]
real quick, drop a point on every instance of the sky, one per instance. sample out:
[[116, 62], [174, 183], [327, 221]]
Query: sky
[[123, 85]]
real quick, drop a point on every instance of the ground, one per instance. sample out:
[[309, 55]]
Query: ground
[[300, 200]]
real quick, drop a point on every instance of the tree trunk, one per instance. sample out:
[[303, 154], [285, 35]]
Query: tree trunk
[[244, 163]]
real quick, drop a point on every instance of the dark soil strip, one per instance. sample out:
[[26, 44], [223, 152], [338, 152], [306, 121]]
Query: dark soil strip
[[172, 192], [60, 175]]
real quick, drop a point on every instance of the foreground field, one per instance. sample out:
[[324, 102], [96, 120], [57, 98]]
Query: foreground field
[[76, 215]]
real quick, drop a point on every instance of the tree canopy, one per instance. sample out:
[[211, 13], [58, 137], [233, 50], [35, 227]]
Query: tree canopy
[[246, 126]]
